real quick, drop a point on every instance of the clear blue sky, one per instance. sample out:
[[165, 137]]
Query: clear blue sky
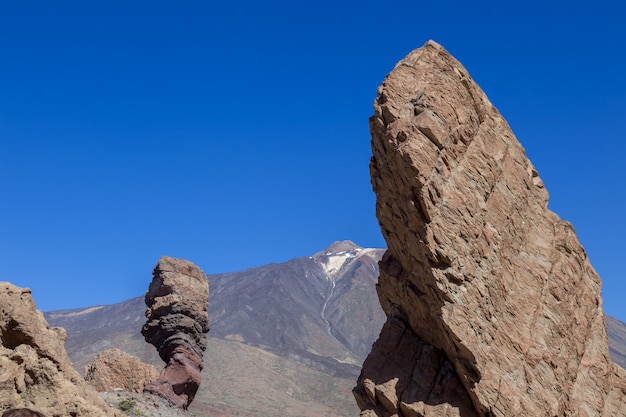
[[235, 134]]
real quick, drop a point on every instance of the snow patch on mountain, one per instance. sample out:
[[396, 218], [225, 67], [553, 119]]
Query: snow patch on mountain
[[337, 256], [332, 262]]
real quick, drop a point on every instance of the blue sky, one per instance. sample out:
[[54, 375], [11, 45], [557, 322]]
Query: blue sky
[[235, 134]]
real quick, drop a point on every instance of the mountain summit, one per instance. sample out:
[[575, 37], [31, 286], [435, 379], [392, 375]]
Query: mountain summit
[[338, 256], [338, 246], [303, 308]]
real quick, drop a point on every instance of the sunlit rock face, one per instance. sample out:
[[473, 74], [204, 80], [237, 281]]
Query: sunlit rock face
[[493, 306], [114, 370], [35, 371], [177, 324]]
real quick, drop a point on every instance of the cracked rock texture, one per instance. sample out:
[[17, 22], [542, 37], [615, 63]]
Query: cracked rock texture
[[177, 323], [113, 370], [493, 306], [35, 371]]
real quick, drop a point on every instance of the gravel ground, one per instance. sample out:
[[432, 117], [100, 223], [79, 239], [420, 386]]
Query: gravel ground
[[142, 404]]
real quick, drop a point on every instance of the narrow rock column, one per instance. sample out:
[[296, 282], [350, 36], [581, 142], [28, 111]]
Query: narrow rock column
[[177, 323]]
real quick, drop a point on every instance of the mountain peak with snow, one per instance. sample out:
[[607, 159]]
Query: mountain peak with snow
[[338, 255], [337, 247]]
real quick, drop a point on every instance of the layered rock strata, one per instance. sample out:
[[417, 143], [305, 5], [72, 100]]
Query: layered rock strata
[[35, 371], [493, 306], [177, 323], [113, 370]]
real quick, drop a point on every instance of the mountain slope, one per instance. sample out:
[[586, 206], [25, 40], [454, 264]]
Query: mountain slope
[[617, 340], [311, 320], [286, 339], [242, 380], [94, 329]]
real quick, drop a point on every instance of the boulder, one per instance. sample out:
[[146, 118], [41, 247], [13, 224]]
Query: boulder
[[113, 370], [493, 307], [177, 323]]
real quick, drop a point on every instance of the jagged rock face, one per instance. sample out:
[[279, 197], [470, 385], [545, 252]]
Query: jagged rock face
[[35, 371], [114, 369], [414, 377], [477, 268], [177, 324]]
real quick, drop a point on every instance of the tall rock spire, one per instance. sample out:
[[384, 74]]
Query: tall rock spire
[[494, 307], [177, 324]]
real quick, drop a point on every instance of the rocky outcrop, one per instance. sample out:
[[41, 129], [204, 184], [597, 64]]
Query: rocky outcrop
[[113, 369], [177, 323], [493, 306], [35, 371]]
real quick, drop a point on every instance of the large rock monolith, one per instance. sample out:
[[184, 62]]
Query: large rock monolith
[[177, 323], [493, 306]]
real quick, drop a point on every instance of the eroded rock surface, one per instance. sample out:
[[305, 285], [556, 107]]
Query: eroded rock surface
[[113, 369], [35, 371], [494, 307], [177, 324], [414, 377]]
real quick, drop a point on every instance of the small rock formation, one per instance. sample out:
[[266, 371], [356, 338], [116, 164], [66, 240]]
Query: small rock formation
[[493, 307], [113, 369], [177, 324], [35, 371]]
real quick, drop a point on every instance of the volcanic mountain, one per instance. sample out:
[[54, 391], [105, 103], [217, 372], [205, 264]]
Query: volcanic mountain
[[313, 317], [286, 338]]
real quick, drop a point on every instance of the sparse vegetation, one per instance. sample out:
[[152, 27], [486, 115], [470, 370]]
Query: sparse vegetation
[[128, 407]]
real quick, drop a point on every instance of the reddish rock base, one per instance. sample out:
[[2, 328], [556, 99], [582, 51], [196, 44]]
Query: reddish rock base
[[177, 323], [180, 379]]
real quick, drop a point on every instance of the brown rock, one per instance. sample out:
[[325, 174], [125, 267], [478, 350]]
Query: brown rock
[[114, 369], [405, 376], [177, 324], [493, 286], [22, 412], [35, 371]]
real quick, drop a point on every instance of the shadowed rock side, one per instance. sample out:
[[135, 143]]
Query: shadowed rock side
[[177, 323], [414, 377], [478, 269], [35, 371]]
